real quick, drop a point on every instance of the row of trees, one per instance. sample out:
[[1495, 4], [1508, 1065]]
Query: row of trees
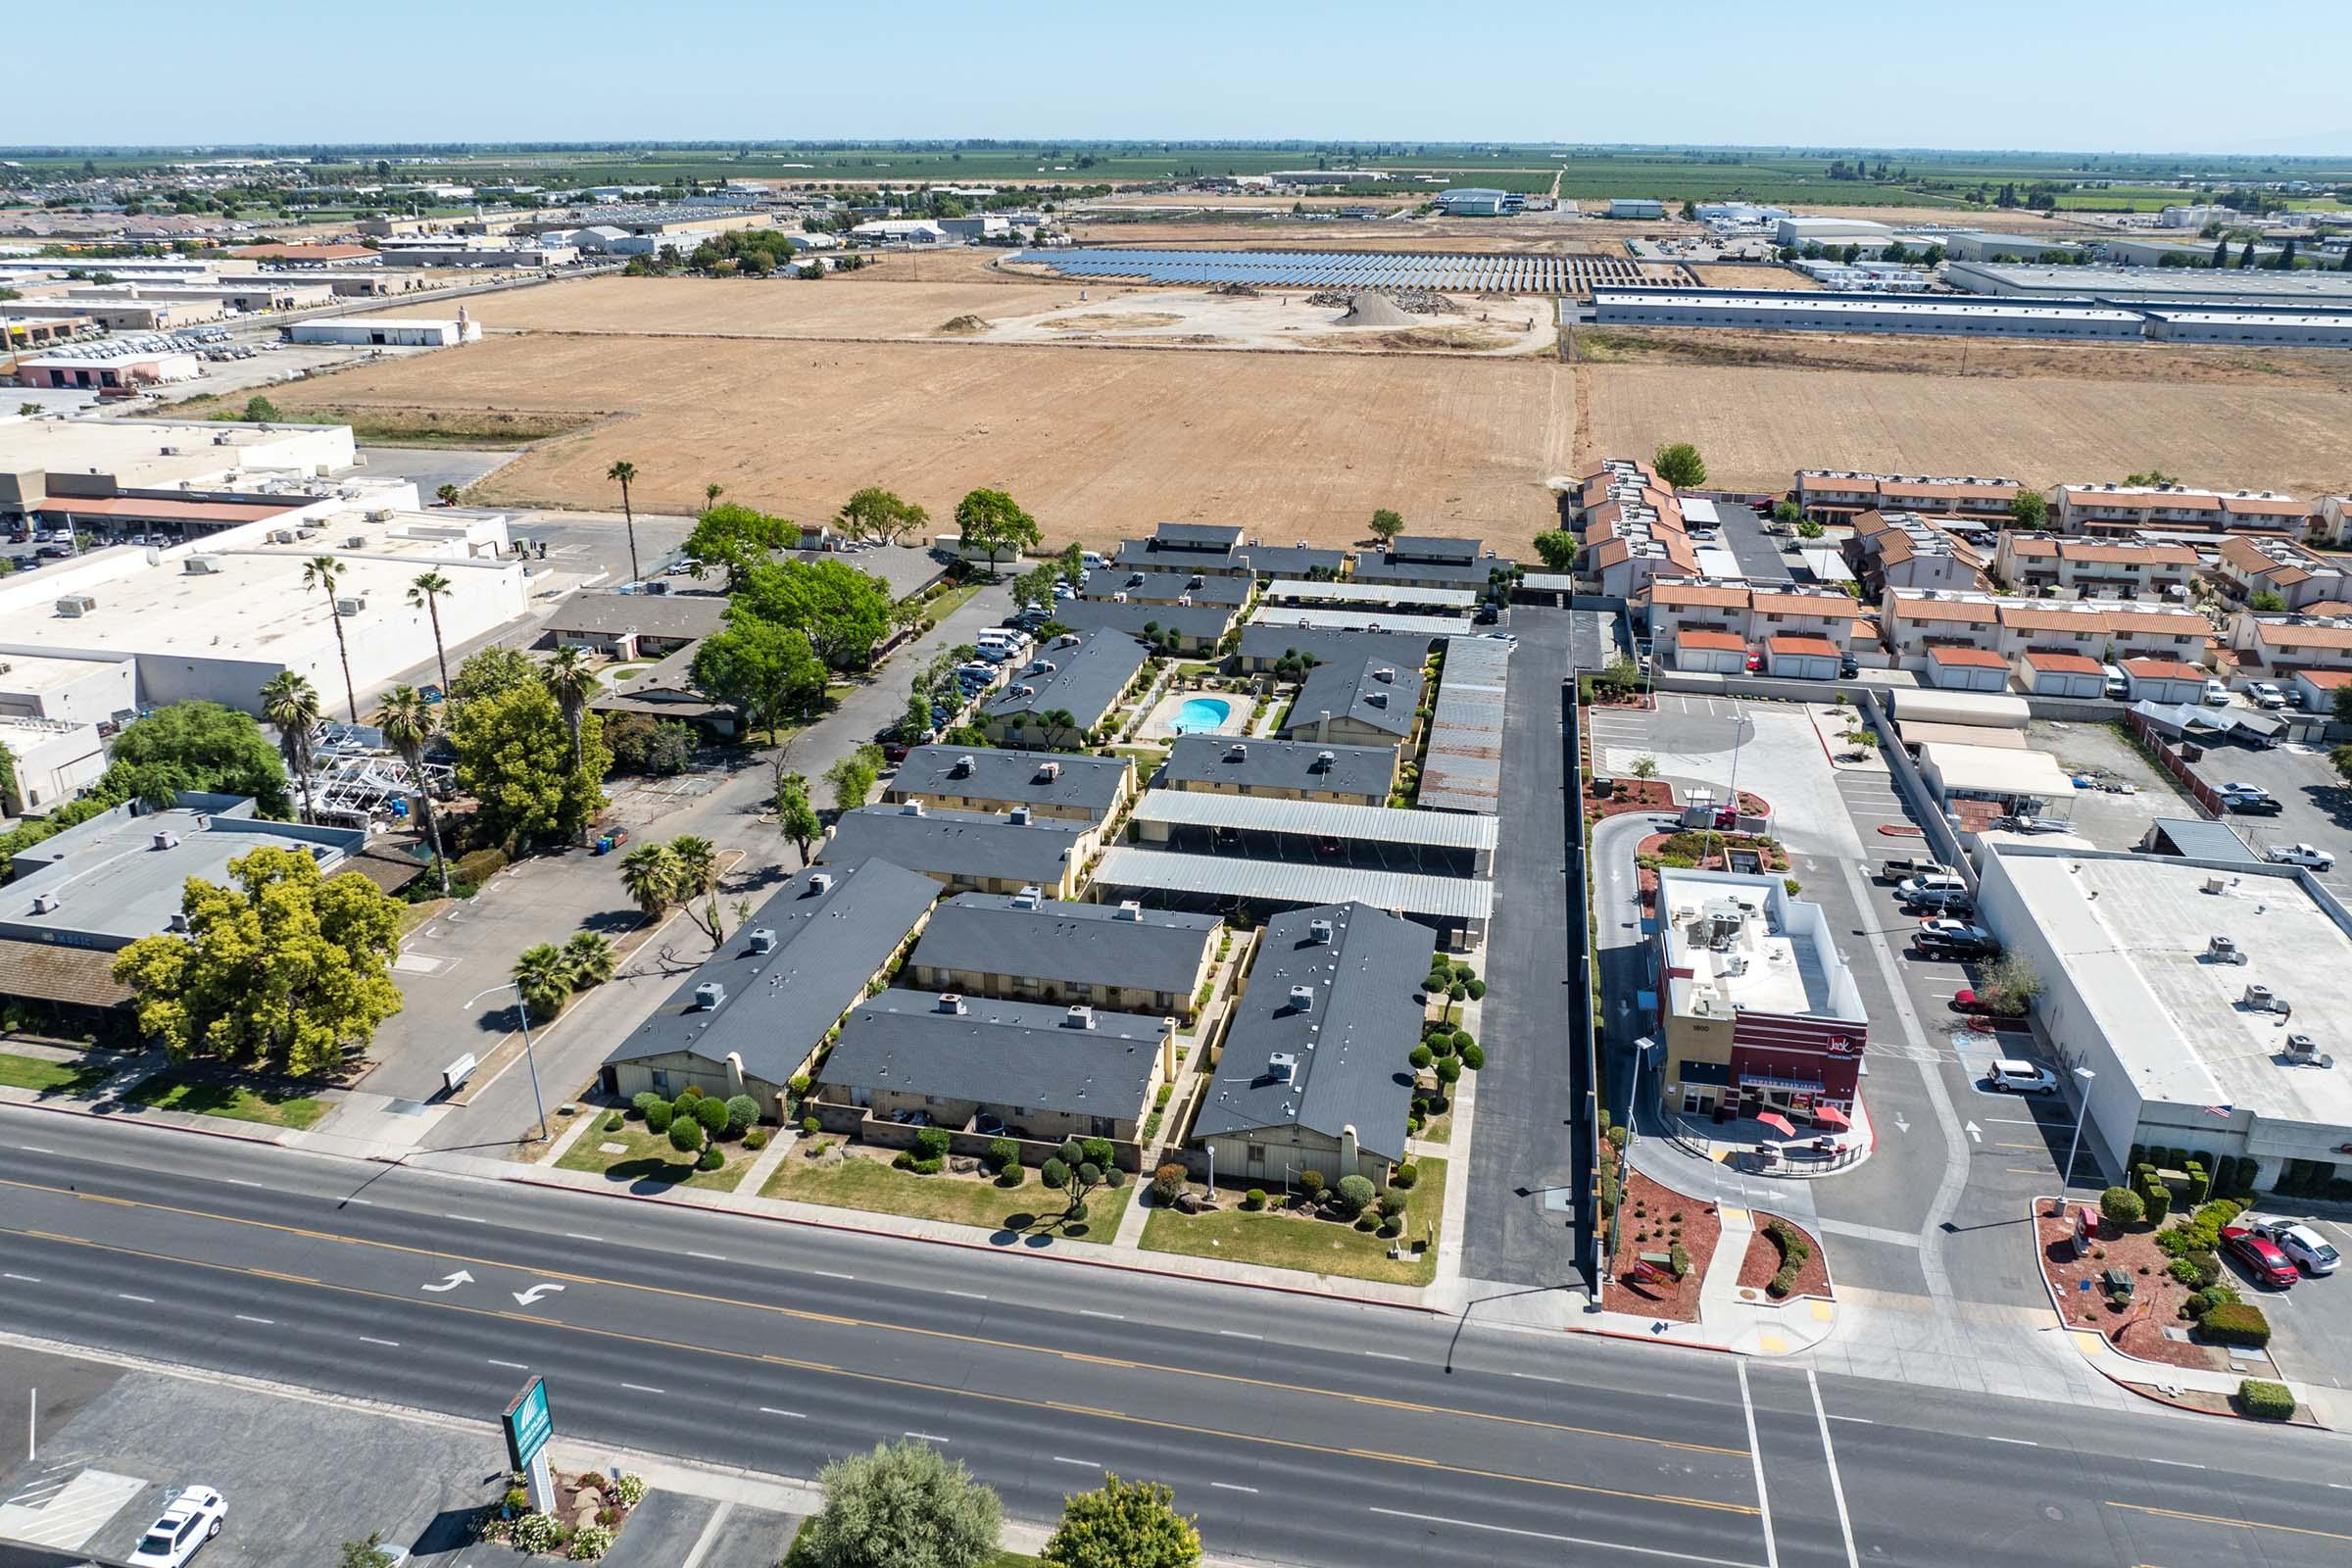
[[908, 1505]]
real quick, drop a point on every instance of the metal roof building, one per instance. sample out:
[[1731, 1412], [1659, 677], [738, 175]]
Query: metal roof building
[[1296, 590], [1449, 843], [1461, 770], [2195, 839], [1790, 311], [1311, 619], [1167, 877]]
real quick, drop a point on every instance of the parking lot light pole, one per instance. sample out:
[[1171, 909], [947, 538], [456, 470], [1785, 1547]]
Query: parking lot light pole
[[2082, 1115], [522, 1010]]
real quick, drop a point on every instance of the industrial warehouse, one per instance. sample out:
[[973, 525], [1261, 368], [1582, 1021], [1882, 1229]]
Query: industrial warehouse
[[2029, 314]]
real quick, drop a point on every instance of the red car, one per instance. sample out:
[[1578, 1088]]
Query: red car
[[2262, 1260], [1755, 661]]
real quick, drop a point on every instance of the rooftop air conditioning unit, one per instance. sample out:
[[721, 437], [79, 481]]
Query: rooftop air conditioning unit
[[176, 921], [708, 994], [950, 1002], [1319, 932], [73, 605], [44, 903], [2224, 949], [764, 941], [820, 881], [1282, 1066], [2302, 1045], [1385, 675], [1303, 998], [1080, 1017], [2262, 999], [356, 541], [1236, 752], [1377, 699], [166, 840], [964, 766], [379, 515], [352, 605], [281, 536], [199, 566], [1048, 771], [912, 809], [171, 452], [1029, 898], [1325, 761], [1068, 639], [1129, 909], [1019, 816]]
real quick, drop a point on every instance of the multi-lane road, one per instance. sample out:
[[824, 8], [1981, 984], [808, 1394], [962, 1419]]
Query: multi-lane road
[[1302, 1430]]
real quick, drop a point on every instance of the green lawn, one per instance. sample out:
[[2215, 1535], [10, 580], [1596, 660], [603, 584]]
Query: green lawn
[[39, 1072], [946, 603], [1319, 1246], [872, 1185], [649, 1158], [168, 1091]]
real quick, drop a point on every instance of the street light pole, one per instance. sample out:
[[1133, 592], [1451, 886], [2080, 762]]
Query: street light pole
[[522, 1010], [2081, 1115]]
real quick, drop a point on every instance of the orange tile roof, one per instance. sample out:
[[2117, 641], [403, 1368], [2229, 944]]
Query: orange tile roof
[[2326, 607], [1820, 647], [2064, 663], [2327, 680], [2280, 635], [1956, 491], [1864, 626], [2157, 624], [1962, 609], [1697, 593], [1832, 606], [2128, 554], [1722, 641], [1968, 658], [2033, 545], [2260, 507], [2024, 618], [2163, 670]]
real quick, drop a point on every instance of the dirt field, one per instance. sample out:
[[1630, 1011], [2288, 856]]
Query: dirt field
[[2010, 358], [1751, 277], [1099, 443], [1757, 426]]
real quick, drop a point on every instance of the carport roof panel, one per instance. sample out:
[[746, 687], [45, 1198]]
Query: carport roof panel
[[1225, 877], [1259, 813]]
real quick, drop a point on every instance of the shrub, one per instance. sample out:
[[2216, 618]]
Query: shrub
[[1448, 1069], [1012, 1175], [1463, 1040], [1474, 1058], [1003, 1154], [644, 1100], [1054, 1173], [628, 1491], [1310, 1181], [1404, 1177], [2187, 1271], [515, 1500], [799, 1084], [2157, 1200], [756, 1138], [1477, 990], [712, 1159], [479, 866], [2265, 1400], [1392, 1202], [811, 1126], [1421, 1059], [1099, 1151], [613, 1122], [743, 1114], [1457, 991], [1679, 1260], [657, 1116], [1167, 1184], [1352, 1194], [2120, 1206], [537, 1531], [685, 1135], [710, 1115], [2238, 1323], [691, 1092], [1255, 1199], [931, 1143], [589, 1543], [929, 1166], [1072, 1153]]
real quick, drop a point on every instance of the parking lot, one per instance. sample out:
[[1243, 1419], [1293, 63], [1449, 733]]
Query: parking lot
[[2316, 806], [2311, 1324], [2110, 821]]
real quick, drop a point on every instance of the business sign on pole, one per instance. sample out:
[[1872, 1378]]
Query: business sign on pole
[[528, 1425]]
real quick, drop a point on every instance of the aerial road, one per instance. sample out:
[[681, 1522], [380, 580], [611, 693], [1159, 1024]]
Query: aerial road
[[1302, 1430]]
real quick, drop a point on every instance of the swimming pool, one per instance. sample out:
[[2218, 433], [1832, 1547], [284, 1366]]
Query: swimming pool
[[1200, 713]]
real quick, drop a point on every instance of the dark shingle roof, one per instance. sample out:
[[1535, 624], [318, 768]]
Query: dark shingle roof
[[1349, 1048], [1354, 690], [1087, 678], [1144, 552], [1366, 770], [779, 1003], [1073, 944], [1021, 1054], [1197, 535], [1447, 573], [1202, 623], [1291, 561], [1332, 645], [1089, 783], [1139, 584], [955, 842], [80, 976], [1434, 546], [660, 615]]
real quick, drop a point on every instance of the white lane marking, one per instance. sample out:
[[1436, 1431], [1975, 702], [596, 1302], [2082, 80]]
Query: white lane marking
[[1829, 1452], [35, 1149], [22, 1279], [1611, 1547], [925, 1436], [708, 1258], [239, 1181], [769, 1409], [1755, 1454], [639, 1388], [1083, 1464], [1227, 1486], [829, 1274], [1384, 1355], [389, 1345], [1240, 1334], [1537, 1377], [1859, 1420], [970, 1296], [147, 1301], [515, 1365], [363, 1202], [469, 1219], [580, 1236], [2179, 1464], [1120, 1317], [2023, 1443], [265, 1322]]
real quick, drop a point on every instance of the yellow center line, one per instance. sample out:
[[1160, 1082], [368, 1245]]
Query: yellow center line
[[834, 1320], [2227, 1524], [1187, 1428]]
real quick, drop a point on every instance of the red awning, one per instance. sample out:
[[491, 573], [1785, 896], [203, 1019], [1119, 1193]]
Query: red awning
[[1830, 1117], [1774, 1121]]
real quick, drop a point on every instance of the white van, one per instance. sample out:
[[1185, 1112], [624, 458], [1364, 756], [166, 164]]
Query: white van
[[1091, 558], [2116, 685]]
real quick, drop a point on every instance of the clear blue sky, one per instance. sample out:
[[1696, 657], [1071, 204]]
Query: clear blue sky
[[2074, 74]]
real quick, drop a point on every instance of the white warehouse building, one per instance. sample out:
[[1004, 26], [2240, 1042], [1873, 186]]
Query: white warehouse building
[[388, 331], [1792, 311]]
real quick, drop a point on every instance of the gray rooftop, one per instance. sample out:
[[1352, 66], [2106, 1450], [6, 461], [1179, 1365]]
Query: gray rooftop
[[1434, 546], [1330, 645], [1347, 1048], [778, 1004], [1137, 583], [114, 880], [1394, 567], [1071, 944], [1317, 617], [1217, 536], [1033, 778], [1023, 1055], [1358, 691], [2196, 839], [971, 844], [1401, 595], [1366, 770], [1340, 819], [1461, 770], [1086, 676], [1202, 623], [657, 614], [1291, 561], [1452, 900], [1150, 552]]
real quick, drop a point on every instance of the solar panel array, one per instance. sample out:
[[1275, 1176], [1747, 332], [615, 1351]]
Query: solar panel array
[[1368, 270]]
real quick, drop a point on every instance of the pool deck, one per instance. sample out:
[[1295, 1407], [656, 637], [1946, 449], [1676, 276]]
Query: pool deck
[[1167, 715]]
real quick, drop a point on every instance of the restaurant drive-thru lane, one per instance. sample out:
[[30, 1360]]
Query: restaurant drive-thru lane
[[776, 1347]]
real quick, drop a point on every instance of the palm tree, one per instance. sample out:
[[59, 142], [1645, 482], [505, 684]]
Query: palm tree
[[447, 495], [291, 704], [543, 978], [590, 957], [697, 862], [426, 594], [624, 473], [649, 873], [409, 721], [571, 682], [320, 572]]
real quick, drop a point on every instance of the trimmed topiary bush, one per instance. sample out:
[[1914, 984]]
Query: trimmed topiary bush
[[756, 1138], [645, 1099], [1352, 1194], [2265, 1400], [931, 1143], [811, 1126], [2236, 1323], [1403, 1176], [712, 1159], [657, 1116], [1254, 1200], [613, 1122], [1310, 1181], [1421, 1059], [1448, 1069], [710, 1114], [1474, 1058], [743, 1114], [1054, 1173], [1003, 1153], [1167, 1184], [2120, 1206], [685, 1135]]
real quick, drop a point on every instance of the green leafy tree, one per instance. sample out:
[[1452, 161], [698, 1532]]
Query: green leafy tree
[[259, 410], [915, 722], [993, 523], [321, 572], [284, 969], [1679, 463], [446, 494], [202, 747], [1125, 1524], [543, 979], [493, 670], [410, 723], [796, 815], [2027, 510], [1387, 524], [291, 705], [624, 473], [1035, 585], [877, 514], [425, 593], [2342, 704], [2153, 479], [368, 1554], [842, 612], [853, 777], [1558, 548], [735, 539], [766, 670], [514, 756], [2267, 602], [904, 1505], [658, 876]]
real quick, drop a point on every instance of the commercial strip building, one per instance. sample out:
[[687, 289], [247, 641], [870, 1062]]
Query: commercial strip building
[[1069, 786], [2208, 999], [1022, 946], [1758, 1010], [754, 1015], [47, 461], [1278, 769], [1316, 832], [386, 332], [1312, 1074], [968, 851], [1457, 908], [108, 367]]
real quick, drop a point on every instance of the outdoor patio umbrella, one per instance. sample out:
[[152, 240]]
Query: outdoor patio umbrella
[[1831, 1117], [1773, 1121]]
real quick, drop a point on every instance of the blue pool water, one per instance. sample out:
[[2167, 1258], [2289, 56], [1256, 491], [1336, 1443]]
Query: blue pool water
[[1200, 713]]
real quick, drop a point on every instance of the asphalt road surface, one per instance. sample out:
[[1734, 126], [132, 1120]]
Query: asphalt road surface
[[1302, 1430]]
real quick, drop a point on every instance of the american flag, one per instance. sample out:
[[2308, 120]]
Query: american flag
[[2224, 1112]]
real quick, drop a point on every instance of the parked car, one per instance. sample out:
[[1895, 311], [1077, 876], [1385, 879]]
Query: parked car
[[2217, 695], [1899, 868], [2013, 1077], [2264, 1263], [2302, 1244], [988, 1126], [2036, 824], [1847, 666], [1934, 890], [188, 1521], [2253, 805], [1955, 939], [2266, 694], [1755, 661], [2301, 854]]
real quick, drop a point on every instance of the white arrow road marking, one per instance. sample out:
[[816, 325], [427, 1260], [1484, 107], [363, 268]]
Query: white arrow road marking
[[461, 1277], [1976, 1134], [1902, 1125], [526, 1297]]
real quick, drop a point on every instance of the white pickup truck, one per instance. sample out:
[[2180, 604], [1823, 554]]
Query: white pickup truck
[[2302, 855]]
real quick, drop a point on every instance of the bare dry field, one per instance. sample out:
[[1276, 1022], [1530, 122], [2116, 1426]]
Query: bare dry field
[[1099, 443], [1757, 426], [1999, 358], [1752, 277], [2015, 220], [762, 308]]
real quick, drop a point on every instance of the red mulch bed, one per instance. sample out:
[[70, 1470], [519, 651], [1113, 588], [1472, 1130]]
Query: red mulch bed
[[2156, 1296], [1763, 1260], [1633, 795], [1699, 1230]]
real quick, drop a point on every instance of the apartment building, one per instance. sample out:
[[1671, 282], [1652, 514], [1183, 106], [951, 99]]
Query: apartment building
[[1918, 622], [2283, 648], [2126, 508], [2252, 567], [1832, 495], [1905, 550], [2093, 568], [1914, 620], [2335, 521], [1714, 628]]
